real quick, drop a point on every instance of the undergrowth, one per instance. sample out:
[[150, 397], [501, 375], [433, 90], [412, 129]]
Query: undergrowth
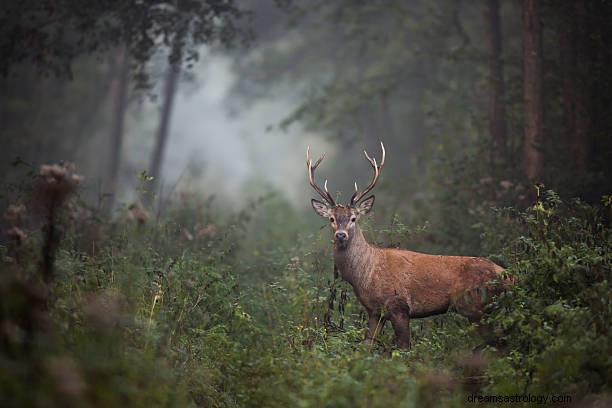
[[189, 309]]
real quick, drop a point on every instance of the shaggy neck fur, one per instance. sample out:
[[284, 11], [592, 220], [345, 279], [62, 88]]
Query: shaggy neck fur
[[356, 260]]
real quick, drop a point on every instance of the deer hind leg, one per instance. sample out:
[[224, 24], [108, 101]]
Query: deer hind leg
[[399, 314], [376, 322], [470, 303]]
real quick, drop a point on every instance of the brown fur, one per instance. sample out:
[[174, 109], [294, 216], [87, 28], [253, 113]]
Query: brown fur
[[406, 284]]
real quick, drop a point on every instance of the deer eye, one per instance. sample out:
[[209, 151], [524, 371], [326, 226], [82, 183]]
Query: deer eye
[[331, 219]]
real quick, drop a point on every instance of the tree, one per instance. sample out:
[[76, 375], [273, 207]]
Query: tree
[[532, 89], [120, 98], [50, 34], [573, 56], [166, 110], [370, 70], [496, 88]]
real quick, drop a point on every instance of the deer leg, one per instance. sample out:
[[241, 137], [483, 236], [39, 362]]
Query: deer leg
[[401, 327], [375, 324], [400, 319]]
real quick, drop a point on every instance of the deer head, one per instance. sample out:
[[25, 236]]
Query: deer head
[[343, 218]]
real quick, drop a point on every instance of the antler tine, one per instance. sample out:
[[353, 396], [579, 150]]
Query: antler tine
[[373, 160], [377, 167], [311, 168], [354, 194]]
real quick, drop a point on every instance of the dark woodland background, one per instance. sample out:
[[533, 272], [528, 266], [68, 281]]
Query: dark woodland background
[[157, 243]]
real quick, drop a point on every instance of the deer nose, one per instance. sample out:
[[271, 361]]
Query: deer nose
[[341, 235]]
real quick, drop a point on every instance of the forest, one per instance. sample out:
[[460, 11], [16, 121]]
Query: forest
[[157, 242]]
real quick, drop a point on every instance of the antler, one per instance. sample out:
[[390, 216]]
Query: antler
[[357, 195], [311, 168]]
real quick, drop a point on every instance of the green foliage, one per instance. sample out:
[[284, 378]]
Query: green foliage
[[49, 35], [165, 311], [126, 322], [556, 321]]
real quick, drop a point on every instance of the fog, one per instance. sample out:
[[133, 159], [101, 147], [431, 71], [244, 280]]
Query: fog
[[213, 149], [225, 136], [403, 77]]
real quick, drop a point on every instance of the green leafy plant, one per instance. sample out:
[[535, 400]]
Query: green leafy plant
[[556, 320]]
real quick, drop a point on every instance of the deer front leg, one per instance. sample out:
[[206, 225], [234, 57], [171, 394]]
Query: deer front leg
[[375, 324], [401, 327], [399, 314]]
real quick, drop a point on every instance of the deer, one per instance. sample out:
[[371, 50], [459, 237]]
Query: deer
[[395, 284]]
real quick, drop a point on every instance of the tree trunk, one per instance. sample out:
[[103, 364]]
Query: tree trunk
[[574, 73], [496, 88], [120, 107], [580, 143], [567, 64], [532, 89], [166, 112]]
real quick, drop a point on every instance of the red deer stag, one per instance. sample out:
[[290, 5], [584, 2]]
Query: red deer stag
[[403, 284]]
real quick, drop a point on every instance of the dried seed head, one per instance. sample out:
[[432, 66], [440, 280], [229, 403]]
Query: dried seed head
[[76, 212], [18, 235], [204, 231], [15, 213], [54, 185]]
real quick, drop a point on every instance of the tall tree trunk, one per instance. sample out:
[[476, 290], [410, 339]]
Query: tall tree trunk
[[161, 136], [532, 89], [120, 107], [496, 87], [566, 31], [580, 143], [574, 74]]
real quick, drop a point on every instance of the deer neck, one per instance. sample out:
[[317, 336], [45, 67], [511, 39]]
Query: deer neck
[[356, 260]]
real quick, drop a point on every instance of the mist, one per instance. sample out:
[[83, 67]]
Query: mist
[[215, 149], [415, 76]]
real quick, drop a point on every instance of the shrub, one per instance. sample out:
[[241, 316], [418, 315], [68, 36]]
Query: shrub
[[556, 321]]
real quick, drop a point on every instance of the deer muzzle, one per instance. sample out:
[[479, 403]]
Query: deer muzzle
[[341, 236]]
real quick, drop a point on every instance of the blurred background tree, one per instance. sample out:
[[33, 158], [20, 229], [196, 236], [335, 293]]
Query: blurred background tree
[[476, 101], [43, 40], [469, 123]]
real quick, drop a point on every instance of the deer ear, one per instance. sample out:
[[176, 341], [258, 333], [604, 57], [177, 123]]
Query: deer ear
[[366, 205], [320, 208]]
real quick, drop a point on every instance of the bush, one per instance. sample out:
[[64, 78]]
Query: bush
[[556, 321]]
